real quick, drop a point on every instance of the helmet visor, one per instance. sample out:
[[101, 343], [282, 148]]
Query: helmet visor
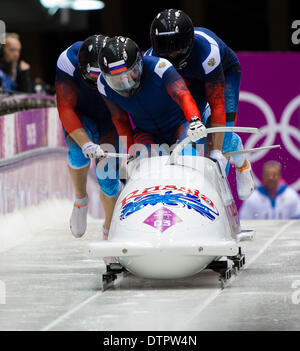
[[126, 81], [166, 43]]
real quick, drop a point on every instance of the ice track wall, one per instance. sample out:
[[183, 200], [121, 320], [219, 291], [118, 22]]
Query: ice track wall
[[33, 166]]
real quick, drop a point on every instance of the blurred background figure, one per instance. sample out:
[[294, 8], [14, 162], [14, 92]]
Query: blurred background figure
[[41, 87], [272, 200], [14, 73]]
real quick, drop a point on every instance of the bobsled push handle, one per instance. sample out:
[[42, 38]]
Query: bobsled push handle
[[234, 129], [233, 153], [180, 146], [177, 150], [117, 155]]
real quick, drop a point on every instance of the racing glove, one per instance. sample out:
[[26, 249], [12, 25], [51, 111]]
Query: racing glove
[[91, 150], [197, 129], [218, 156]]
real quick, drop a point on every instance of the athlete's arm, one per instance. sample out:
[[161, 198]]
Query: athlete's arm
[[121, 121], [180, 93], [66, 94], [214, 91]]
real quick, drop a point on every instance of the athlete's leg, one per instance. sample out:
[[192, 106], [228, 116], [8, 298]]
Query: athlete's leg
[[79, 179], [108, 206], [78, 166], [232, 142], [107, 172], [231, 92]]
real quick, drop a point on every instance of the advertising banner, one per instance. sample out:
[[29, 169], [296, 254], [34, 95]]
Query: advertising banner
[[28, 130], [31, 129]]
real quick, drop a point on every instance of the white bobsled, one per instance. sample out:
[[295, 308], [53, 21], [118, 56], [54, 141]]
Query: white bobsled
[[175, 217]]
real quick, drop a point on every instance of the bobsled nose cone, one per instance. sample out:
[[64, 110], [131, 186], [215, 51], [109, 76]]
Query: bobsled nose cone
[[165, 266]]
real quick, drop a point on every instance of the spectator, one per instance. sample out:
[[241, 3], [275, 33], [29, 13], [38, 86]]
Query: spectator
[[14, 73], [272, 200]]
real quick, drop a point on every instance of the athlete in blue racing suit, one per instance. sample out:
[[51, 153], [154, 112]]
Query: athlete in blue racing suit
[[87, 123], [212, 73], [151, 91]]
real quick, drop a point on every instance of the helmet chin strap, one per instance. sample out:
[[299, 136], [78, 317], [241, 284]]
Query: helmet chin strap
[[90, 83], [182, 65]]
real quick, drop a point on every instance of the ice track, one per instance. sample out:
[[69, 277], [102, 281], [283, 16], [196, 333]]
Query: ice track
[[51, 285]]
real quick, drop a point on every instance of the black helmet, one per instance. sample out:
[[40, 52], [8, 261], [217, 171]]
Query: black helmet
[[121, 64], [172, 31], [88, 59]]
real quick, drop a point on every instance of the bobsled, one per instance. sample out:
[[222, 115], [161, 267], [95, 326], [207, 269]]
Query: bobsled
[[175, 217]]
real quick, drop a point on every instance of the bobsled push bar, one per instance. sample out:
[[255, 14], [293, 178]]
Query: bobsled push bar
[[180, 146], [212, 130], [187, 140], [234, 129], [233, 153], [117, 155]]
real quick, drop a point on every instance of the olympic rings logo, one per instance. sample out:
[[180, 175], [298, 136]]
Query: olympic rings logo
[[273, 127]]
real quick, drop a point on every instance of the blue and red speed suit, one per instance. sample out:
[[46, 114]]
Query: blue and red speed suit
[[213, 75], [80, 106]]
